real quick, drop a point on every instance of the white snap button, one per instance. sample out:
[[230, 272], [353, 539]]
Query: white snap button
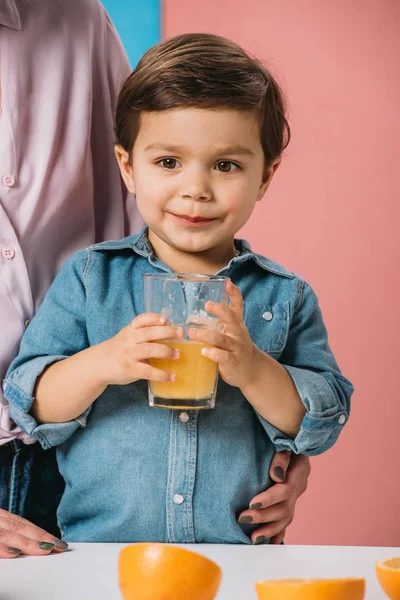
[[8, 252], [184, 417], [178, 499], [342, 420], [8, 180], [267, 316]]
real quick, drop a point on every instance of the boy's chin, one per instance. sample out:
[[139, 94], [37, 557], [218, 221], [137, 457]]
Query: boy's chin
[[195, 242], [192, 244]]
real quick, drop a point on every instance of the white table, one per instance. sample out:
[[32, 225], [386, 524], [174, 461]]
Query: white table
[[89, 571]]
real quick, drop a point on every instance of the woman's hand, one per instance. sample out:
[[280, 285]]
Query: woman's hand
[[274, 509], [19, 536]]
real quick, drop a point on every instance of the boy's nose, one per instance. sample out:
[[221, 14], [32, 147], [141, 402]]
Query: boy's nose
[[196, 187]]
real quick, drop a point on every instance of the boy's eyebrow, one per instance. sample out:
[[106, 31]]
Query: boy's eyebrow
[[237, 150], [163, 147], [241, 150]]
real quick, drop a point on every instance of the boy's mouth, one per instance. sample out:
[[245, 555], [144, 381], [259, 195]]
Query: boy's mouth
[[192, 221]]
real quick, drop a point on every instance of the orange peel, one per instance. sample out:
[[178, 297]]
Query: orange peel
[[388, 574], [152, 571], [311, 589]]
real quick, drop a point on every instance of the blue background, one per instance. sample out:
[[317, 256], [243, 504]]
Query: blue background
[[138, 23]]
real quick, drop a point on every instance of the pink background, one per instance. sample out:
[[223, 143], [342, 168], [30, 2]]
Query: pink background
[[332, 216]]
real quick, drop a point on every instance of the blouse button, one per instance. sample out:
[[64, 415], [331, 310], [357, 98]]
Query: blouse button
[[184, 417], [8, 180], [342, 420], [8, 252], [267, 316], [178, 499]]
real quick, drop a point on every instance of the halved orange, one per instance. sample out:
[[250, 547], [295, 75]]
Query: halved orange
[[311, 589], [388, 573], [150, 571]]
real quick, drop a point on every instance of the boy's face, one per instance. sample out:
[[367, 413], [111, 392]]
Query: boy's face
[[197, 174]]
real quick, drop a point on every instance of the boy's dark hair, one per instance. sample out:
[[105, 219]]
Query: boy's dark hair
[[203, 71]]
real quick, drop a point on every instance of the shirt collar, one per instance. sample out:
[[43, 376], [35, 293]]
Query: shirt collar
[[140, 244], [9, 15]]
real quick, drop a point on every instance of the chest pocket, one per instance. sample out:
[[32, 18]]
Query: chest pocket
[[268, 325]]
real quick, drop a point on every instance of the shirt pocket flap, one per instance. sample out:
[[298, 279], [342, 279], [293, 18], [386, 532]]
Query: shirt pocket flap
[[268, 325]]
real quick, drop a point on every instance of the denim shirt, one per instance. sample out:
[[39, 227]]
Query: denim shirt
[[135, 473]]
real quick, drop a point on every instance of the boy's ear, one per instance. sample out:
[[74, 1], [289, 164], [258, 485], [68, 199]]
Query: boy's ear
[[125, 167], [268, 174]]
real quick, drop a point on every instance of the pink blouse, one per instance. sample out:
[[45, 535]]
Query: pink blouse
[[61, 68]]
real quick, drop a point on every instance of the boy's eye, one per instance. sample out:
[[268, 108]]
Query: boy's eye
[[226, 166], [168, 163]]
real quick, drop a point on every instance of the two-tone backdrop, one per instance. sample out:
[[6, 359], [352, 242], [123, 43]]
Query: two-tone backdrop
[[331, 215]]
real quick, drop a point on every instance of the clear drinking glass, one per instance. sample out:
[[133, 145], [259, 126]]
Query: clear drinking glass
[[180, 297]]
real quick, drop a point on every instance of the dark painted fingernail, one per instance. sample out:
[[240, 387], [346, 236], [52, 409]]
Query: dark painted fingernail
[[259, 540], [245, 519], [279, 473], [45, 546], [255, 506], [16, 551], [60, 544]]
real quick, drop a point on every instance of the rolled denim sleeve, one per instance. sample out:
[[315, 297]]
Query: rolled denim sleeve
[[324, 391], [57, 331]]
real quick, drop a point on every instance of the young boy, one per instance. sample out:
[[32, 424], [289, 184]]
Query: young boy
[[201, 130]]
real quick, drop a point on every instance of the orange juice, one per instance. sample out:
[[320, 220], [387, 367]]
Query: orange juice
[[196, 377]]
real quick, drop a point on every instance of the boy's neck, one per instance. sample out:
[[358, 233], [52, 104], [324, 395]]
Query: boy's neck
[[208, 262]]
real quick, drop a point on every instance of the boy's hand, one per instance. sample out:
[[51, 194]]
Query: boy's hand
[[233, 349], [126, 355]]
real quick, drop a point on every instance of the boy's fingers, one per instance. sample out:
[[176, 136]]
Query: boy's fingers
[[235, 299], [161, 332], [152, 374], [154, 350], [279, 465], [232, 314], [212, 338], [223, 312], [147, 319], [222, 357]]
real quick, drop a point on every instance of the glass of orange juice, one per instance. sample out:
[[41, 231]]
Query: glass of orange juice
[[181, 297]]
